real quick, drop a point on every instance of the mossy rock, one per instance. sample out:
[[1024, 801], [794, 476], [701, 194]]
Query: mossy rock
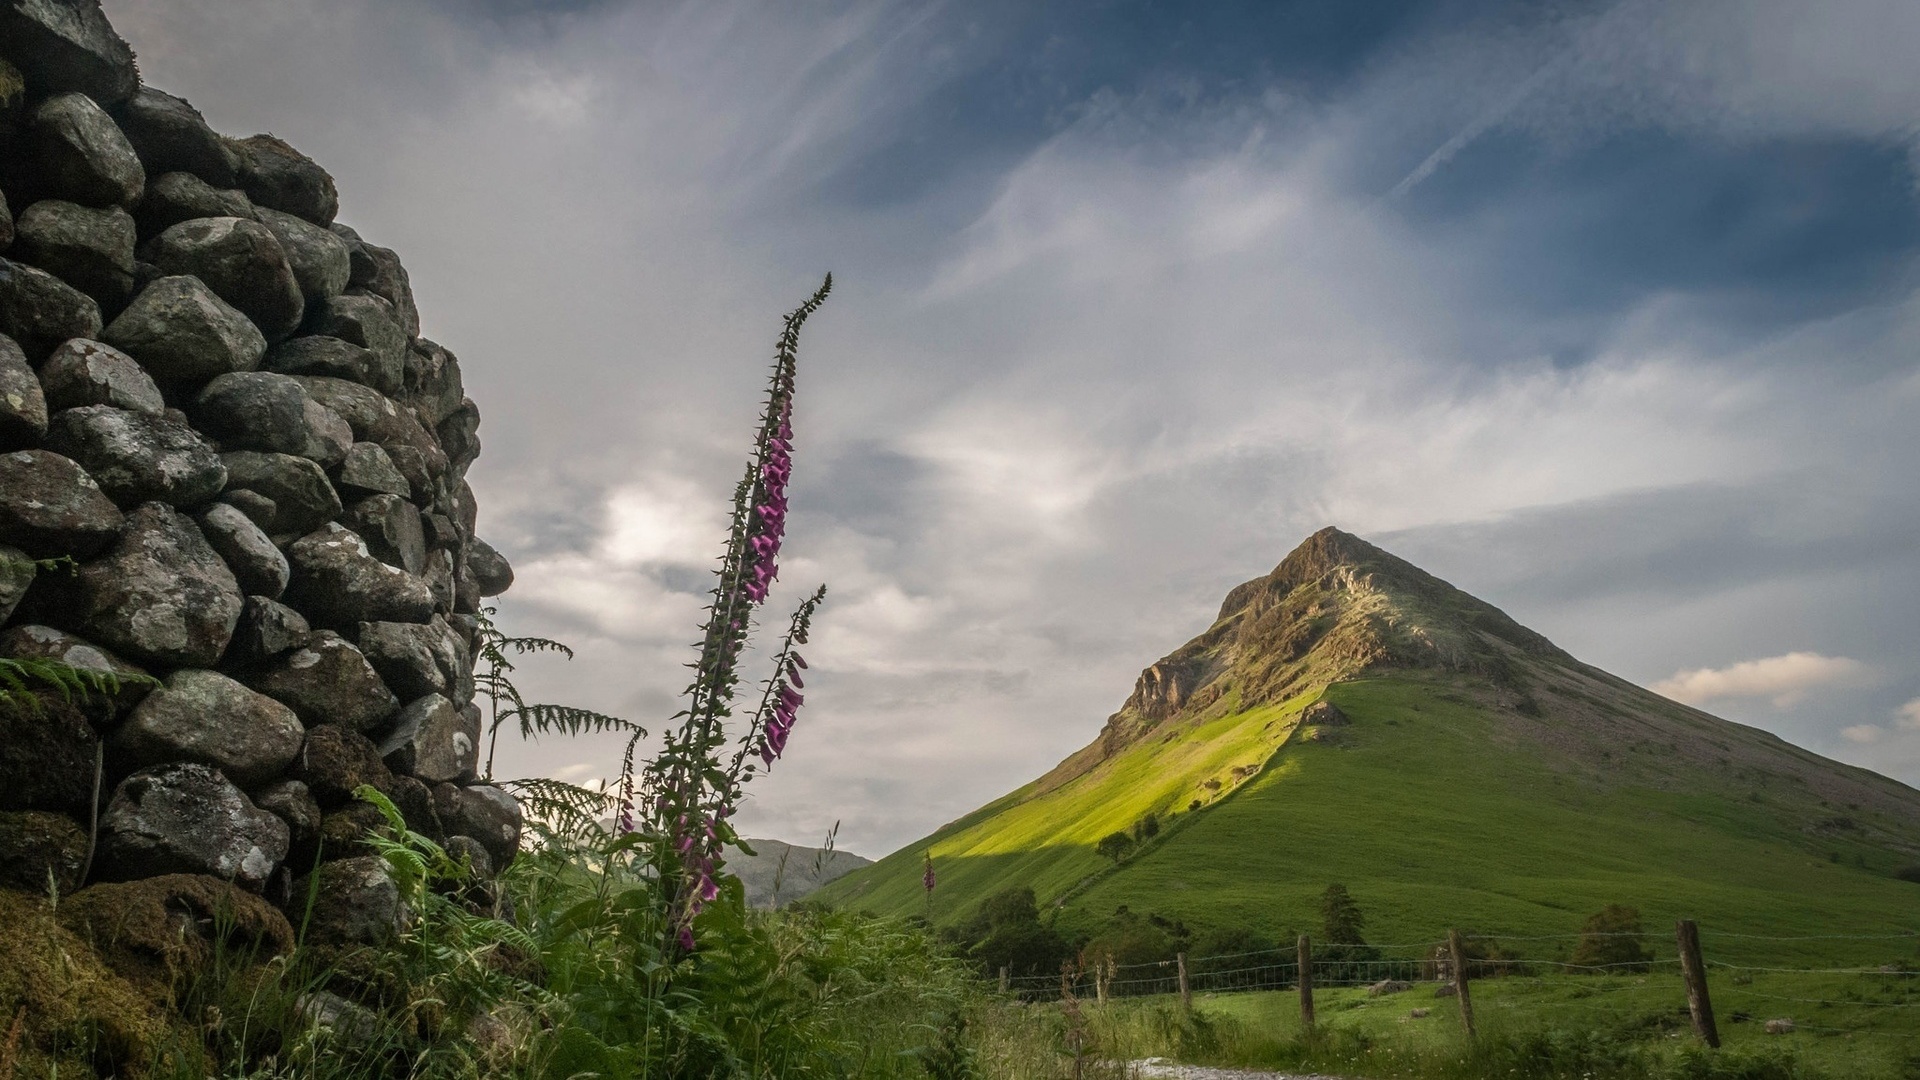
[[76, 1015], [156, 930]]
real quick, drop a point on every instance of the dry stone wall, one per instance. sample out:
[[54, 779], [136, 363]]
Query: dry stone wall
[[215, 399]]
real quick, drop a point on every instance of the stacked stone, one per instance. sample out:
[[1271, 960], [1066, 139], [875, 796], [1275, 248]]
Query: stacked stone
[[214, 397]]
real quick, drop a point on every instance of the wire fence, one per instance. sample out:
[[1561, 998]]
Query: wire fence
[[1848, 998]]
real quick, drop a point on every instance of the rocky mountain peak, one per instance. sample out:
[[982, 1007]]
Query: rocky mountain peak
[[1334, 608]]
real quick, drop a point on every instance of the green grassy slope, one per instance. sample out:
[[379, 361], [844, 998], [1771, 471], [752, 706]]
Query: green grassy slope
[[1514, 791]]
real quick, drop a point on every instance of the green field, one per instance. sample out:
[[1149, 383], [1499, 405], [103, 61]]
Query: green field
[[1864, 1026]]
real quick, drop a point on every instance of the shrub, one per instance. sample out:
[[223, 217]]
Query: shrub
[[1115, 845], [1612, 939]]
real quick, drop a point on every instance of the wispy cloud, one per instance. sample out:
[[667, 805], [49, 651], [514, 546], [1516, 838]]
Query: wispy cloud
[[1784, 679]]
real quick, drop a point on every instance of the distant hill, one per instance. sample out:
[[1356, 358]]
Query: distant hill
[[791, 870], [1471, 774]]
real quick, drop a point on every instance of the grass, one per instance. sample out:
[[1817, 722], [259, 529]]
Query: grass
[[1434, 815], [1548, 1027]]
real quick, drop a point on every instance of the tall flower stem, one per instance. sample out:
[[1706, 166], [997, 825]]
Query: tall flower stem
[[685, 796]]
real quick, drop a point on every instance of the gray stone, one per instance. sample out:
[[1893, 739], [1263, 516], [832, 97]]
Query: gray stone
[[378, 271], [17, 572], [339, 585], [180, 196], [416, 659], [320, 261], [466, 591], [272, 413], [242, 262], [460, 437], [40, 311], [336, 762], [187, 819], [317, 354], [492, 575], [177, 328], [367, 321], [434, 740], [375, 418], [23, 406], [68, 45], [205, 717], [1324, 714], [170, 135], [355, 902], [50, 507], [441, 532], [266, 629], [38, 849], [6, 223], [440, 580], [390, 527], [81, 155], [46, 757], [279, 177], [259, 509], [90, 249], [367, 471], [326, 1017], [138, 457], [30, 641], [433, 381], [327, 682], [82, 372], [485, 813], [467, 629], [291, 802], [159, 596], [256, 563], [301, 496], [473, 853]]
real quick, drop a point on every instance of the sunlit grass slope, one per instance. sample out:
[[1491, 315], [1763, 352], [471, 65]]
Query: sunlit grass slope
[[1514, 792], [1435, 814]]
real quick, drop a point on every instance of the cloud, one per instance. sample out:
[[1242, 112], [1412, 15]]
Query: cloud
[[1785, 679], [1909, 715], [1865, 734]]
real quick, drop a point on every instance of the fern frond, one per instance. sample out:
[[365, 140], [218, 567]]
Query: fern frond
[[537, 720]]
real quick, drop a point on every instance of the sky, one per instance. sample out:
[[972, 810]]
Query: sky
[[1608, 313]]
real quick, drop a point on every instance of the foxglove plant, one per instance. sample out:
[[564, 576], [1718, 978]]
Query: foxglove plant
[[685, 797]]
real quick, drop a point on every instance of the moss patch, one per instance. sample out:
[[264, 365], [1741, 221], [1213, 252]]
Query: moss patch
[[74, 1011]]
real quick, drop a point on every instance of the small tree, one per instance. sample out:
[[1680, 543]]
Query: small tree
[[1340, 917], [1115, 846], [1146, 829], [1613, 939], [1340, 924]]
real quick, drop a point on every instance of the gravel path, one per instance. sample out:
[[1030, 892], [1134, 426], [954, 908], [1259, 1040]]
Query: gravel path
[[1162, 1069]]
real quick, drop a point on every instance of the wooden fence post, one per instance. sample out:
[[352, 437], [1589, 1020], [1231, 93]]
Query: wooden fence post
[[1306, 982], [1186, 993], [1694, 970], [1003, 978], [1459, 953]]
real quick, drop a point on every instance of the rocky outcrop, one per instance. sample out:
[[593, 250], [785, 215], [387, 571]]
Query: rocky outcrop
[[214, 401]]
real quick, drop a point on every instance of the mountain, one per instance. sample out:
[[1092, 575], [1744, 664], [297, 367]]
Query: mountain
[[778, 872], [1463, 771]]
